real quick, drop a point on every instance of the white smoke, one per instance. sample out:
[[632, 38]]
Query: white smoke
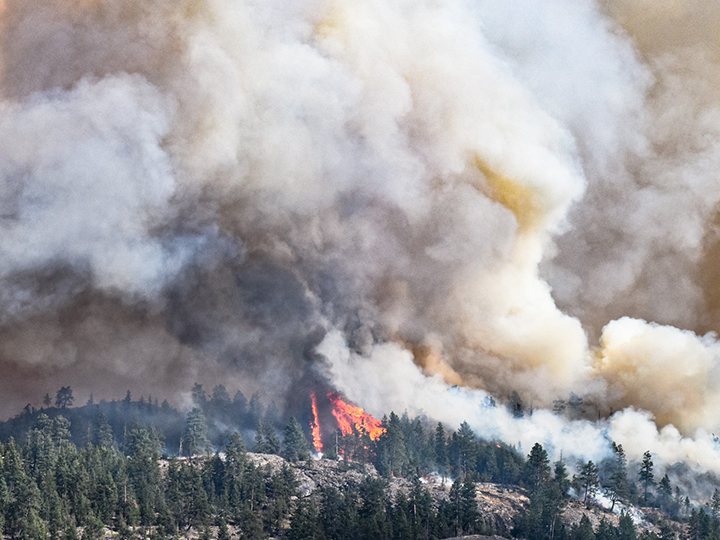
[[84, 180], [388, 379], [406, 187]]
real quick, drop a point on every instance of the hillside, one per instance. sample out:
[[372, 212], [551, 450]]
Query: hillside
[[138, 469]]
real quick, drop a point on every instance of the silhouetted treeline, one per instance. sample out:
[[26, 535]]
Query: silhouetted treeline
[[223, 414]]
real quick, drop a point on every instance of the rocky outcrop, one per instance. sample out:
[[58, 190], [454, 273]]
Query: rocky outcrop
[[497, 504]]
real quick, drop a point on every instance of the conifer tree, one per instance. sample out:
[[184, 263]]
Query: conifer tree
[[195, 437], [618, 478], [537, 468], [588, 479], [223, 532], [101, 434], [665, 491], [259, 445], [440, 449], [271, 441], [305, 522], [605, 530], [392, 453], [64, 398], [372, 517], [465, 449], [561, 478], [646, 473], [584, 530], [333, 516], [255, 410], [198, 396], [715, 505], [626, 528], [295, 445], [23, 500]]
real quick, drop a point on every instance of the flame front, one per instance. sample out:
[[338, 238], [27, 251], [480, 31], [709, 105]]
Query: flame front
[[315, 425], [349, 416]]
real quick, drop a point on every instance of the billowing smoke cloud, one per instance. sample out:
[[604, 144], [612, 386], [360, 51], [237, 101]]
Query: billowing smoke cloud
[[671, 372], [389, 378], [386, 198]]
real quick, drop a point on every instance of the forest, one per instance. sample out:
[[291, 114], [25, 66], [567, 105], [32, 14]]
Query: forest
[[137, 469]]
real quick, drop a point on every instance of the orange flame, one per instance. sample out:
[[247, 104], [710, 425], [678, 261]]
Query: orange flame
[[349, 416], [315, 425]]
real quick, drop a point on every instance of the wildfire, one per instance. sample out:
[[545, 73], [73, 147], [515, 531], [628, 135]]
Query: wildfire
[[349, 416], [315, 425]]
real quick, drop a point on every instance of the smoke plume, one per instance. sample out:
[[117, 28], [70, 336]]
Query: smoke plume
[[419, 204]]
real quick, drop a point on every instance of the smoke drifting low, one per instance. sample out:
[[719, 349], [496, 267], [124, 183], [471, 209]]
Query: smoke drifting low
[[385, 198]]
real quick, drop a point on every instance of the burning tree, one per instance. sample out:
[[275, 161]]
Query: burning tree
[[315, 425], [351, 417], [357, 430]]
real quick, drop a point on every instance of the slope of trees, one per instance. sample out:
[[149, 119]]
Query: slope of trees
[[101, 465]]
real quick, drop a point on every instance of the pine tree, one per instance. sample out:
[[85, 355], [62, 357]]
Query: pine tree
[[575, 406], [101, 434], [561, 478], [646, 473], [618, 478], [198, 396], [605, 530], [469, 514], [281, 488], [259, 445], [194, 504], [559, 406], [64, 397], [715, 505], [537, 468], [271, 441], [400, 517], [588, 479], [422, 511], [195, 439], [372, 517], [465, 442], [93, 529], [143, 473], [440, 449], [335, 518], [584, 530], [23, 499], [239, 406], [392, 459], [223, 532], [626, 528], [295, 445], [665, 490], [305, 522], [255, 411]]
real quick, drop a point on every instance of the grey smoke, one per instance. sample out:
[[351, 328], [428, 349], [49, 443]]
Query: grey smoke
[[284, 197]]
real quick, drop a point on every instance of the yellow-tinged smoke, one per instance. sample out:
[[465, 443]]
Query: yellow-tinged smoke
[[671, 372], [430, 359], [435, 175], [520, 199]]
